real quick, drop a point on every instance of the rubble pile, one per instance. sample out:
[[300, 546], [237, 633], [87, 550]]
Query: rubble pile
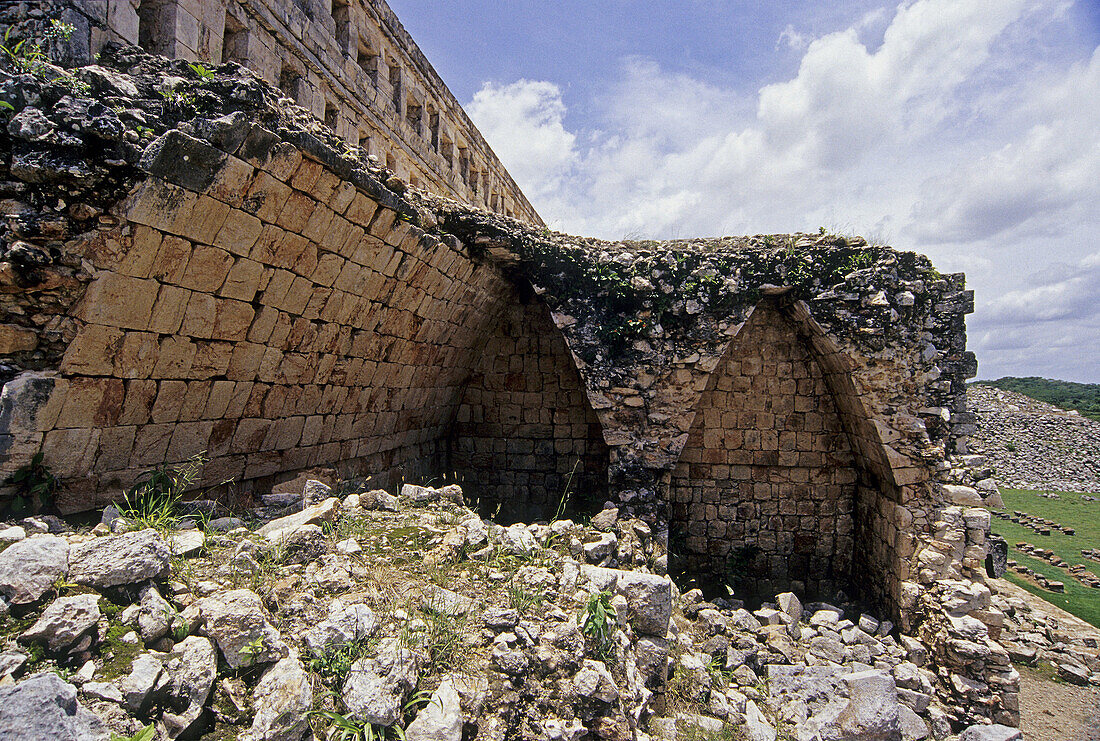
[[412, 612], [1033, 445]]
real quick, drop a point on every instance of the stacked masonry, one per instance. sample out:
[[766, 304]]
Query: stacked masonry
[[350, 63], [767, 463], [257, 292], [277, 318]]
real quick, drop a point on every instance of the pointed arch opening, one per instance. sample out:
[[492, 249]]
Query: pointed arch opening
[[526, 443], [780, 483]]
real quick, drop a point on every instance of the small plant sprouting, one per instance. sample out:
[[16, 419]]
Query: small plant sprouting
[[565, 494], [148, 733], [334, 663], [152, 501], [177, 99], [201, 71], [35, 487], [597, 619], [28, 56], [252, 650]]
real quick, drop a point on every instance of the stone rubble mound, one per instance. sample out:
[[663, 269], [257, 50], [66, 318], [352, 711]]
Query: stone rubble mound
[[1033, 445], [437, 622]]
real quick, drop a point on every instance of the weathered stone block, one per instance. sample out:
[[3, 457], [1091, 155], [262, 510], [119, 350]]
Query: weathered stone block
[[119, 301]]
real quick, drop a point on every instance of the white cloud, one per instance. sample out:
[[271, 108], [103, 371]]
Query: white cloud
[[954, 133], [793, 39], [1050, 167], [523, 122]]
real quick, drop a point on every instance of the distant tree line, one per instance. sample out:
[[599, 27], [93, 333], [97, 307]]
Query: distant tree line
[[1084, 397]]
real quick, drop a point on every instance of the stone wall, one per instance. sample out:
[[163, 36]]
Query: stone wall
[[526, 443], [764, 491], [237, 281], [350, 62], [279, 319]]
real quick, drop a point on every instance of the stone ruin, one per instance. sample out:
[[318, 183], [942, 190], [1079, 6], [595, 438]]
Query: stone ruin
[[190, 263]]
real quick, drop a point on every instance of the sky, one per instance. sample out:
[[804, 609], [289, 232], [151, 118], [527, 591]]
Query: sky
[[968, 130]]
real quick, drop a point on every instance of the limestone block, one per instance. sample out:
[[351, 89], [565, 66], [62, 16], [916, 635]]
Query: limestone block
[[198, 320], [175, 358], [239, 233], [160, 205], [206, 269], [170, 395], [266, 197], [138, 355], [70, 452], [139, 259], [319, 222], [296, 212], [230, 183], [118, 301], [14, 338], [182, 160], [93, 350], [188, 438], [232, 319], [169, 309], [307, 174], [92, 402], [116, 444], [211, 359]]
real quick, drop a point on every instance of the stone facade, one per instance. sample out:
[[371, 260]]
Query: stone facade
[[349, 62]]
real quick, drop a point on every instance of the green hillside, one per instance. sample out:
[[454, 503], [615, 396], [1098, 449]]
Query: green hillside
[[1084, 397]]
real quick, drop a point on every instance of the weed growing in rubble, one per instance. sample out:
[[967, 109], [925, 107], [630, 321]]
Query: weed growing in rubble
[[201, 71], [342, 727], [35, 486], [252, 650], [442, 639], [334, 662], [153, 501], [28, 56], [597, 619], [521, 599], [148, 733]]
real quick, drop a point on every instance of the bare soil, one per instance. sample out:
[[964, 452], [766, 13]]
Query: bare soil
[[1056, 711]]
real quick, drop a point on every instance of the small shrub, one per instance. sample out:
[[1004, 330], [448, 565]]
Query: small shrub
[[35, 487], [1010, 447], [152, 502], [597, 619], [334, 663]]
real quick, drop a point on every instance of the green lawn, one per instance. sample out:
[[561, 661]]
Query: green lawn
[[1070, 510]]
